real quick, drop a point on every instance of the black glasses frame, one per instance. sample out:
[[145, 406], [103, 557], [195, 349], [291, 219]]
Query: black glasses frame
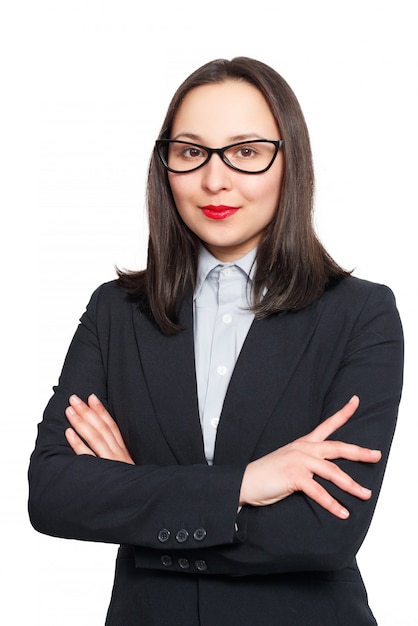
[[160, 143]]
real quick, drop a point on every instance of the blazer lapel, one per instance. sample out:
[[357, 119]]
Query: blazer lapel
[[267, 360], [268, 357], [169, 369]]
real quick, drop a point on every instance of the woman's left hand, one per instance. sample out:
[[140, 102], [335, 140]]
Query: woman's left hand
[[94, 431]]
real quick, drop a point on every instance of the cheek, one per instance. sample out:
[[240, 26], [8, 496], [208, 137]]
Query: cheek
[[275, 195], [265, 188], [182, 194], [266, 195], [272, 191], [180, 188], [273, 181]]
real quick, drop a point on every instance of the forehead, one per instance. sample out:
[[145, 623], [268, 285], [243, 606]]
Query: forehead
[[224, 111]]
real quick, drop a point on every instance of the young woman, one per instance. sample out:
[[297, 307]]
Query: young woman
[[226, 415]]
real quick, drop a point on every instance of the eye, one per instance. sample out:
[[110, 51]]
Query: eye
[[191, 152], [246, 152]]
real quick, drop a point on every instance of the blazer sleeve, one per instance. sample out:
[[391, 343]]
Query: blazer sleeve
[[88, 498], [296, 534]]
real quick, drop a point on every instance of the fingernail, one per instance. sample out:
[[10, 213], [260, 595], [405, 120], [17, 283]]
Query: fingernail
[[75, 399], [344, 513], [367, 492], [70, 410]]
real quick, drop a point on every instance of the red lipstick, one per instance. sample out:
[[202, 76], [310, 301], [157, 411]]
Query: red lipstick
[[218, 212]]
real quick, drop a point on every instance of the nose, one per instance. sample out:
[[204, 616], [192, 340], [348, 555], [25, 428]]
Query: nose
[[216, 174]]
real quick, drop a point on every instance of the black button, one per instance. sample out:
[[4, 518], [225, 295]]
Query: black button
[[166, 560], [164, 535], [201, 566], [184, 563], [182, 535], [199, 534]]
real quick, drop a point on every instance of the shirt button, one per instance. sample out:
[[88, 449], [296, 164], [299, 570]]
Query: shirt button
[[164, 535], [221, 370], [227, 318], [199, 534], [166, 560], [182, 535], [226, 271], [201, 566], [184, 563], [214, 422]]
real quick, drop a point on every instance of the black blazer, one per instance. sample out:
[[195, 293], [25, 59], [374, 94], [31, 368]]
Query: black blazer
[[186, 557]]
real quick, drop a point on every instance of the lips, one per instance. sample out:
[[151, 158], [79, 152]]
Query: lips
[[218, 212]]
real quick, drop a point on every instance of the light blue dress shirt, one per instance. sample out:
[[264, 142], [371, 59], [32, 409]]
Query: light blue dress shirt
[[221, 323]]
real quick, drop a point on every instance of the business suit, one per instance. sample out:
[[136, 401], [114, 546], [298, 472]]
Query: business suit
[[187, 558]]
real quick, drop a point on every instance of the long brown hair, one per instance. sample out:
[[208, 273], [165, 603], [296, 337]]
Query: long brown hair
[[292, 267]]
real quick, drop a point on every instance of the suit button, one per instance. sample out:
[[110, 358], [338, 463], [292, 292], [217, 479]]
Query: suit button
[[184, 563], [164, 535], [201, 566], [166, 560], [182, 535], [199, 534]]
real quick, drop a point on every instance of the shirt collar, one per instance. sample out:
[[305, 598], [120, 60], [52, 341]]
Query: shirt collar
[[207, 262]]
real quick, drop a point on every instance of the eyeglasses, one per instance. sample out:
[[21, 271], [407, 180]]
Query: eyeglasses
[[249, 157]]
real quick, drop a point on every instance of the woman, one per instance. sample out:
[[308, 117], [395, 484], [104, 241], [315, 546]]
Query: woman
[[226, 415]]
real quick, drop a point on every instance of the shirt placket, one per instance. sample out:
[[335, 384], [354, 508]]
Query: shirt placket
[[223, 352]]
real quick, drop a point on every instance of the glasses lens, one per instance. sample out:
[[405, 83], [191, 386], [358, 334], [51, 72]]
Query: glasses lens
[[251, 157], [182, 156]]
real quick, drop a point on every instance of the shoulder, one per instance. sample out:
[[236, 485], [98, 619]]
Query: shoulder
[[357, 292], [109, 301], [360, 303], [109, 293]]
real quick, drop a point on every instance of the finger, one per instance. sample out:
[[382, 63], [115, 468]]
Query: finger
[[334, 474], [96, 415], [76, 443], [335, 421], [98, 429], [318, 494], [117, 444], [91, 420], [81, 409], [90, 428], [92, 415], [332, 450], [99, 408]]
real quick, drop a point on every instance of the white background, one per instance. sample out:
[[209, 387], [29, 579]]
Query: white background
[[85, 85]]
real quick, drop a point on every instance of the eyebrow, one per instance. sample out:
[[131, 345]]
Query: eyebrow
[[232, 139]]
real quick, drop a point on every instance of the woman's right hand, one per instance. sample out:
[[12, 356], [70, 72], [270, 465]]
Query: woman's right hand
[[292, 468], [93, 431]]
